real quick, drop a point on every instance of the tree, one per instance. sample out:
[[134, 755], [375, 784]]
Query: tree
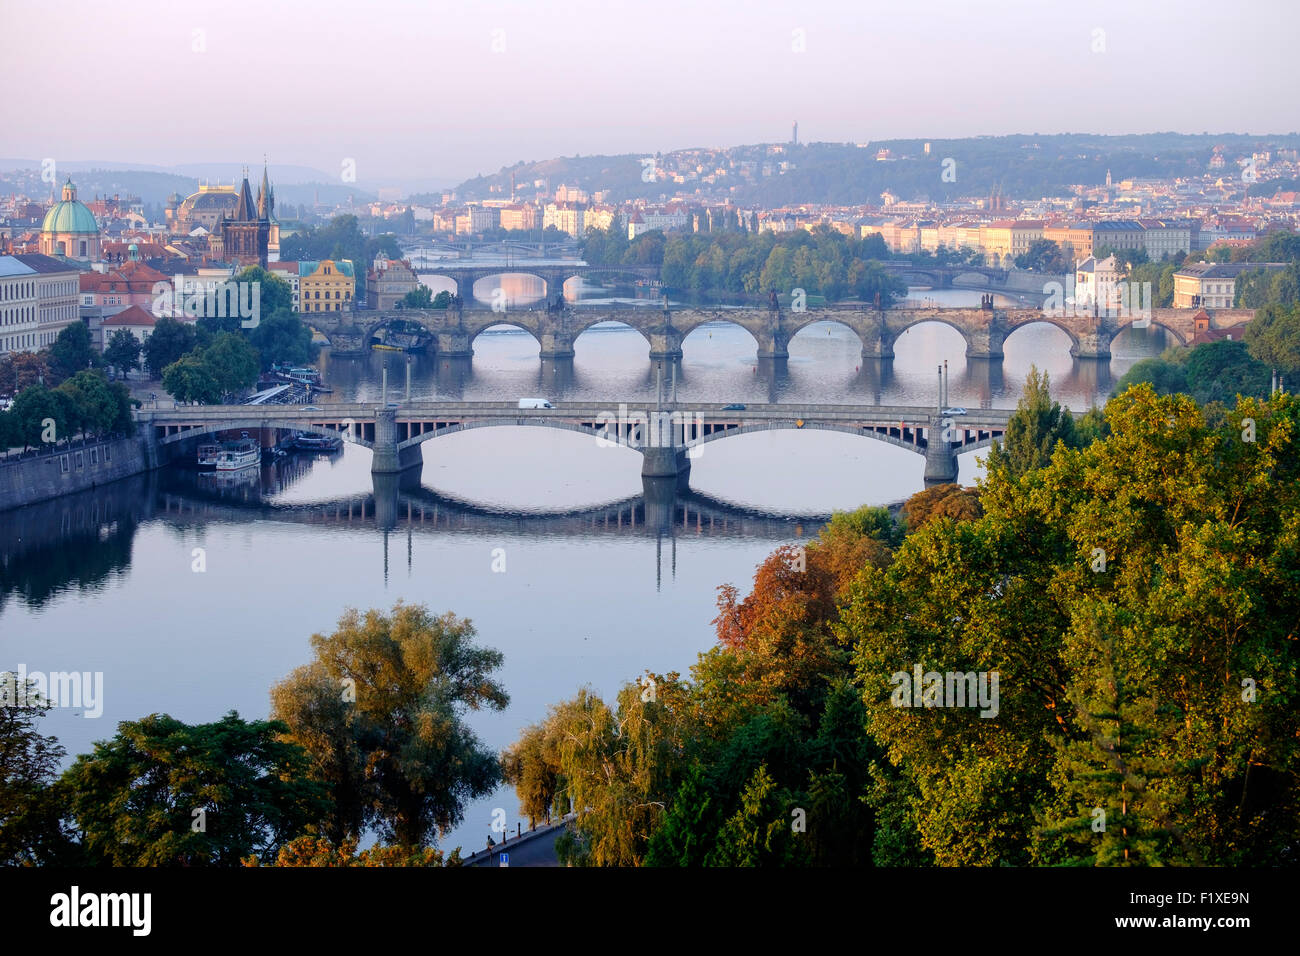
[[274, 295], [168, 341], [165, 793], [532, 767], [96, 402], [234, 363], [1033, 432], [19, 370], [281, 337], [1131, 591], [380, 713], [420, 297], [1043, 255], [30, 804], [1273, 337], [941, 501], [33, 410], [72, 351], [123, 351], [191, 379], [317, 851]]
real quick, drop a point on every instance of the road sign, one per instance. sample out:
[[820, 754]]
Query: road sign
[[505, 859]]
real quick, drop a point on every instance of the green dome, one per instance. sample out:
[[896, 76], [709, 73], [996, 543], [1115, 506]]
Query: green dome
[[69, 215]]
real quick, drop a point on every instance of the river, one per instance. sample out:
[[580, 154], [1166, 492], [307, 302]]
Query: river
[[590, 595]]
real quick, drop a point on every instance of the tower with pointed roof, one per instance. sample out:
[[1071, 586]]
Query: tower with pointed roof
[[243, 237]]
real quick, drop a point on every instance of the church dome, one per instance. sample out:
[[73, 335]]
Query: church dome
[[70, 217]]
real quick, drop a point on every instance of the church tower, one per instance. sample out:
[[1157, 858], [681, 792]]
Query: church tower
[[246, 234]]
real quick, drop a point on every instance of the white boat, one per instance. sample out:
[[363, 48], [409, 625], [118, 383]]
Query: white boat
[[236, 455], [208, 455]]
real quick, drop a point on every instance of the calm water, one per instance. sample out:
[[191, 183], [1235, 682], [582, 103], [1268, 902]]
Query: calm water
[[599, 585]]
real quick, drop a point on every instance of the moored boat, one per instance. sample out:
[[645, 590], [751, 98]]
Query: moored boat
[[236, 455]]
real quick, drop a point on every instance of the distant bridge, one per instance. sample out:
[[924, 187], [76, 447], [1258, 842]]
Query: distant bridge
[[985, 330], [666, 438]]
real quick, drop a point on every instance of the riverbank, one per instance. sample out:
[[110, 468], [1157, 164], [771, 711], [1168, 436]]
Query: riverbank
[[67, 469]]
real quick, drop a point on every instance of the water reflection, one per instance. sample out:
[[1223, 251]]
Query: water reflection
[[720, 364]]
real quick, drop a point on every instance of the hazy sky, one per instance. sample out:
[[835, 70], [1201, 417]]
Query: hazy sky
[[427, 89]]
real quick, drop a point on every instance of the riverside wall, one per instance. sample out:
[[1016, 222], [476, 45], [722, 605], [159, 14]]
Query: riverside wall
[[66, 470]]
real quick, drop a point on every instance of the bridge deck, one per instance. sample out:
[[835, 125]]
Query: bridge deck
[[564, 411]]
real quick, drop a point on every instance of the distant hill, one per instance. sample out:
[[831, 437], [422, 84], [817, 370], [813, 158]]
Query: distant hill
[[1023, 166], [153, 184]]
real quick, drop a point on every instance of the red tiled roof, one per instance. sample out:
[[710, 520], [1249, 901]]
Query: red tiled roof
[[130, 316]]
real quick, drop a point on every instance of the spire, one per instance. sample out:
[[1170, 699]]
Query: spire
[[264, 195]]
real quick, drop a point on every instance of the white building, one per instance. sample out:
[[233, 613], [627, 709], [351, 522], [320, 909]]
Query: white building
[[39, 298], [1096, 282]]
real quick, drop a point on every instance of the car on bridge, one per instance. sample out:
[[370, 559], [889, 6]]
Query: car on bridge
[[733, 407], [955, 410], [534, 403]]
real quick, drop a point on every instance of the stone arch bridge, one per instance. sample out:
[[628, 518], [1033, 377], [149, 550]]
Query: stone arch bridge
[[668, 439], [985, 330]]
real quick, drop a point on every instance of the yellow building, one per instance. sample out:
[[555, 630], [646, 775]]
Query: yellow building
[[326, 286]]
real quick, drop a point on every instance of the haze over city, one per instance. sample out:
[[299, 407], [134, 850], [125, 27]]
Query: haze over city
[[444, 91]]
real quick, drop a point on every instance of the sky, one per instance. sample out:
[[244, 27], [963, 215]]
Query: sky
[[441, 90]]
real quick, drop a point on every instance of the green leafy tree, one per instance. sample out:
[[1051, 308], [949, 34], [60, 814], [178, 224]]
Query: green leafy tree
[[1166, 533], [274, 294], [32, 409], [192, 379], [1273, 338], [420, 297], [234, 363], [1037, 427], [1043, 255], [72, 351], [165, 793], [169, 340], [282, 337], [380, 712], [30, 803], [96, 402], [123, 351]]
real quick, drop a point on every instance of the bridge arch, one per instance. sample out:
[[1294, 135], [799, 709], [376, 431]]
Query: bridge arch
[[584, 326], [504, 318], [1153, 323], [811, 320], [889, 439], [687, 329], [936, 318], [503, 422], [252, 424], [473, 279], [1044, 320]]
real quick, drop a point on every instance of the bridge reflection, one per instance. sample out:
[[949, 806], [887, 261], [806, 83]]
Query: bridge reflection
[[82, 541]]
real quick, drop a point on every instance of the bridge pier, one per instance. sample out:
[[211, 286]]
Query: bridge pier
[[878, 344], [388, 459], [557, 345], [987, 342], [665, 343], [666, 463], [774, 344], [454, 344], [1093, 344], [940, 454]]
